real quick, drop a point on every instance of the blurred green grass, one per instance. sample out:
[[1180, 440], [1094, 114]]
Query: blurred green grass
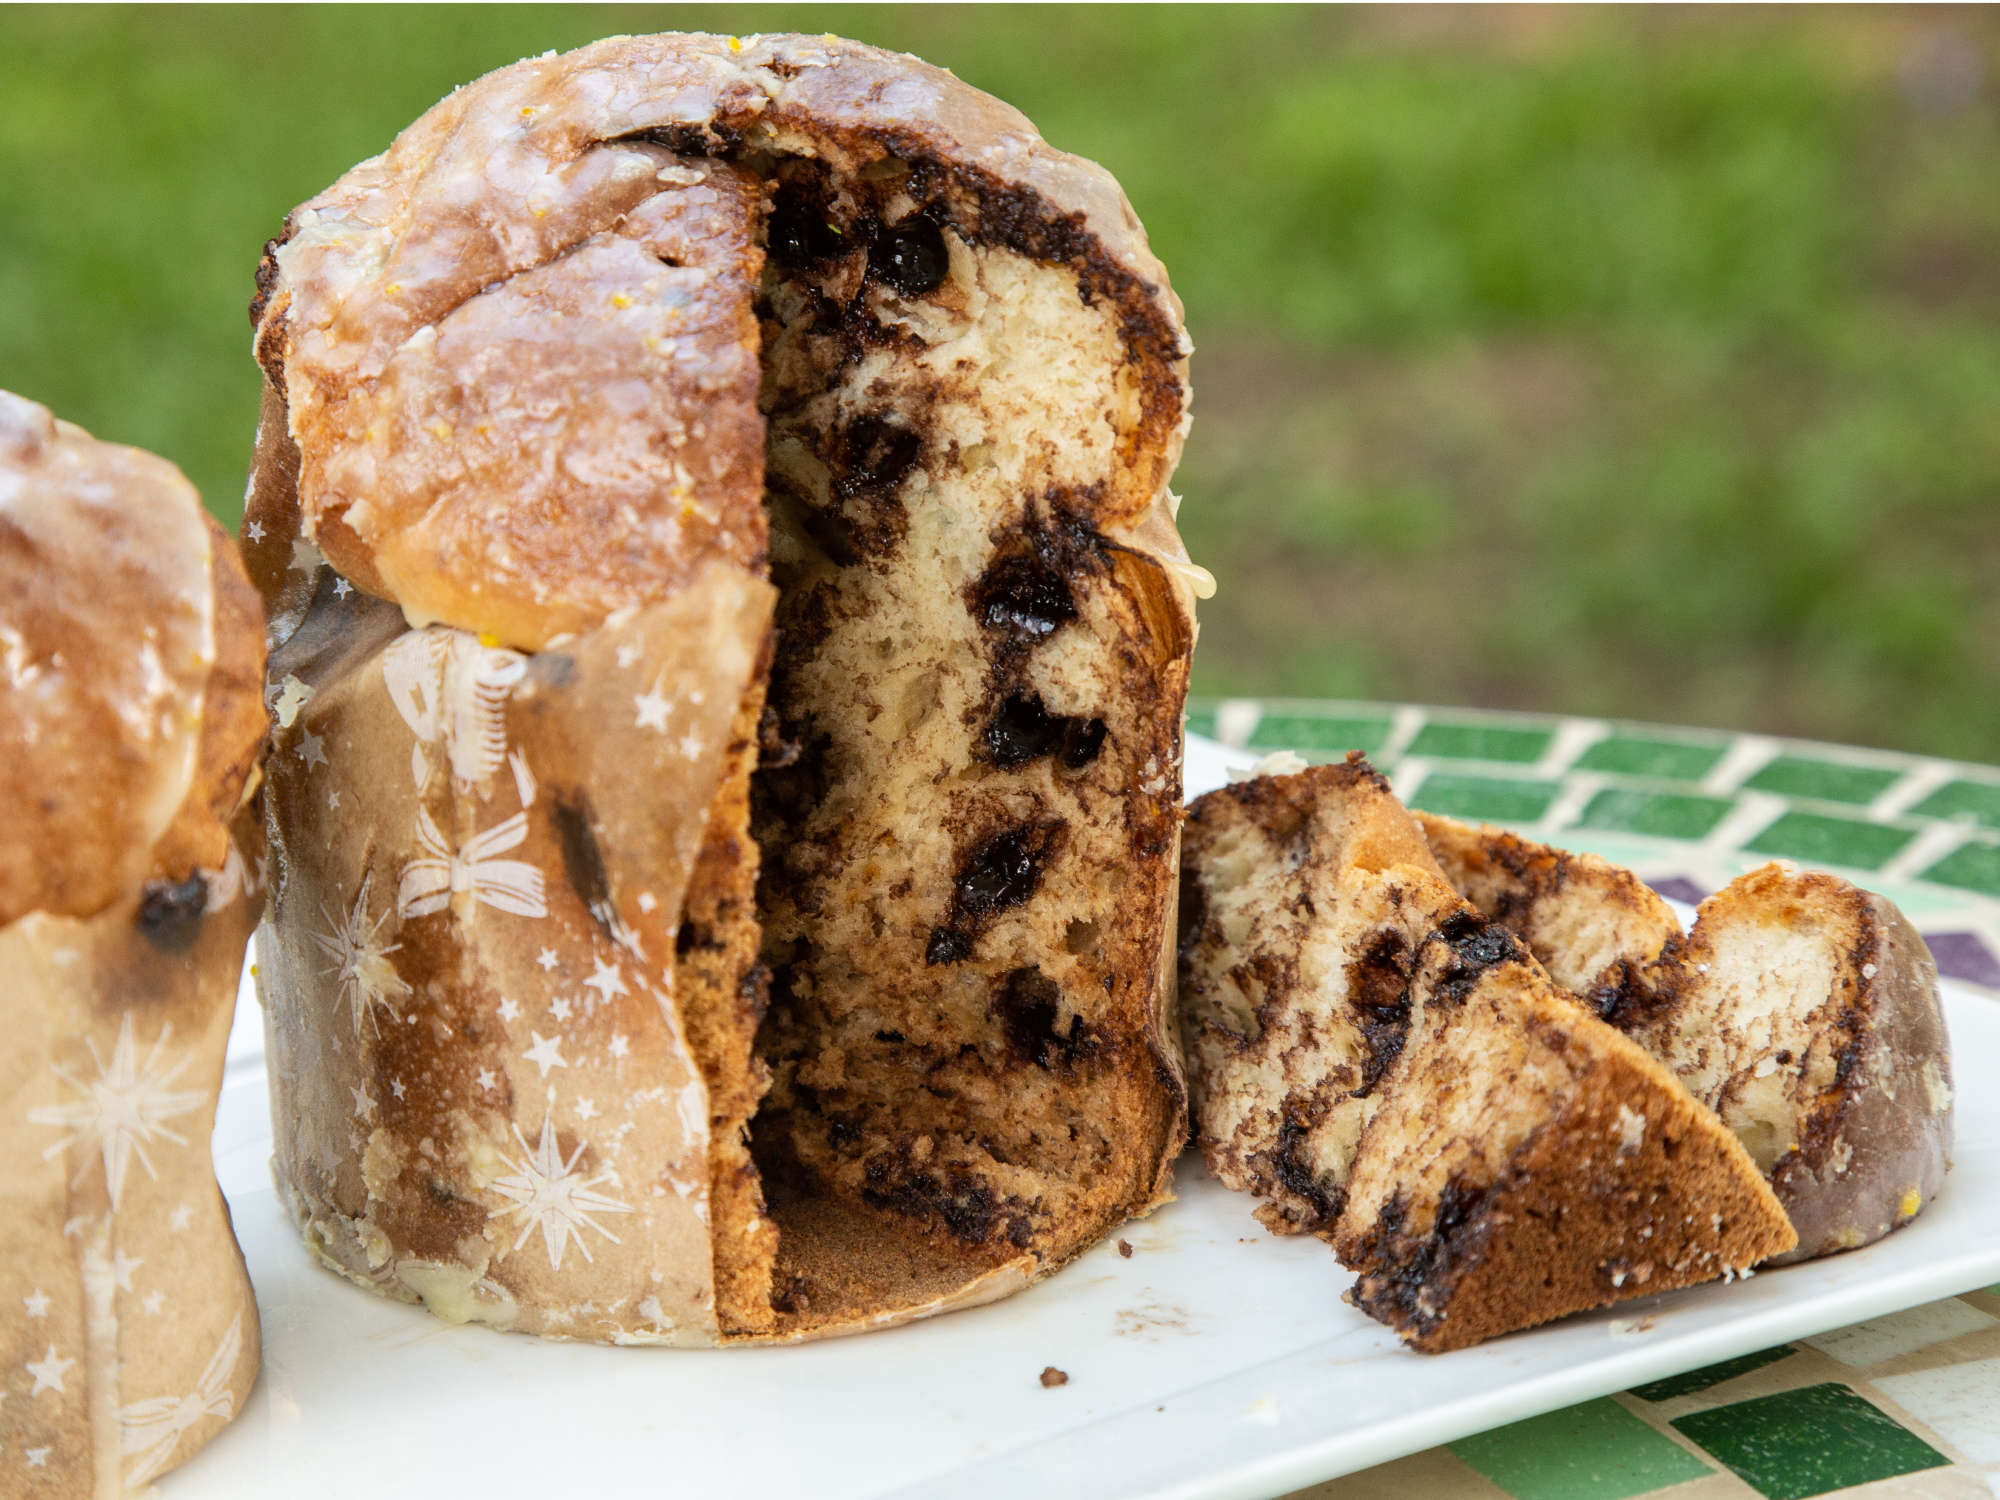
[[1631, 362]]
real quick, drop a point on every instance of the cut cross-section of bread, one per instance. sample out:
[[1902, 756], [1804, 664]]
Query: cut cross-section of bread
[[1802, 1009], [823, 337], [1593, 925], [1398, 1075]]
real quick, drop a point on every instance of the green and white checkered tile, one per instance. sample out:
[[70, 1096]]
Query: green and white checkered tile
[[1689, 809], [1907, 1405]]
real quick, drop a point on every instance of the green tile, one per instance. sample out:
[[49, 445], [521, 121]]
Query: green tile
[[1661, 814], [1829, 841], [1963, 799], [1972, 867], [1306, 732], [1201, 721], [1596, 1451], [1481, 742], [1667, 760], [1486, 799], [1796, 776], [1702, 1379], [1806, 1442]]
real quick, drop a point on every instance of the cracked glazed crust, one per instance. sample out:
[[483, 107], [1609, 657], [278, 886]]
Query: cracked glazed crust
[[560, 156]]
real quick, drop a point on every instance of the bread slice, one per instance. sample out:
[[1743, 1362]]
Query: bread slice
[[1398, 1075], [646, 329], [1802, 1009], [132, 726]]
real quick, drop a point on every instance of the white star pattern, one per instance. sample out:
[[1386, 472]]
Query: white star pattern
[[653, 709], [123, 1109], [364, 1107], [509, 1011], [311, 750], [360, 961], [38, 1458], [178, 1219], [586, 1109], [543, 1054], [153, 1302], [396, 1087], [122, 1267], [547, 960], [332, 800], [548, 1192], [486, 1080], [153, 1429], [37, 1303], [628, 653], [690, 745], [560, 1010], [256, 531], [619, 1045], [607, 980], [48, 1372], [342, 588]]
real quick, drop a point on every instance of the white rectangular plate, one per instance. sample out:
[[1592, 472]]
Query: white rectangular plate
[[1213, 1363]]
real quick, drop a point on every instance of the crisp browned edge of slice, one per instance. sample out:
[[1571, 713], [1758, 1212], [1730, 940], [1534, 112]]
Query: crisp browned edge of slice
[[721, 990], [1508, 1256]]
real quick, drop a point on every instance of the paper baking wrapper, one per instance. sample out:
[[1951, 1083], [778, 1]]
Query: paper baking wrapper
[[128, 1334], [483, 1092]]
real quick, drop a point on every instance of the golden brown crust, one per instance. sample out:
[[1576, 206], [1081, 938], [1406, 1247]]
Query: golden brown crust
[[233, 723], [113, 601]]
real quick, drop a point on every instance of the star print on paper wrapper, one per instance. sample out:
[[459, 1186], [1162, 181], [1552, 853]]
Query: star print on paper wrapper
[[367, 977], [153, 1429], [543, 1054], [123, 1110], [509, 885], [653, 708], [48, 1372], [548, 1192]]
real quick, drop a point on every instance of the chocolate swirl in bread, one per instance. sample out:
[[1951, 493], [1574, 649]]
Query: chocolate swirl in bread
[[601, 343], [130, 730]]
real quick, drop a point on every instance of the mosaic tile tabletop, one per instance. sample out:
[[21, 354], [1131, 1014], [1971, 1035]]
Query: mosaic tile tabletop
[[1906, 1405]]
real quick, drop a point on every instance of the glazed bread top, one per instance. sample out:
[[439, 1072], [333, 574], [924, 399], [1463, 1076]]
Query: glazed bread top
[[517, 352], [132, 645]]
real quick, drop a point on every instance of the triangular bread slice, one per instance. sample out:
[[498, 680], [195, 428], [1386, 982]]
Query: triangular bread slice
[[1801, 1008], [1396, 1074]]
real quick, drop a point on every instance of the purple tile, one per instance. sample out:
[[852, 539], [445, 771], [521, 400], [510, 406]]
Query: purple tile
[[1679, 888], [1964, 955]]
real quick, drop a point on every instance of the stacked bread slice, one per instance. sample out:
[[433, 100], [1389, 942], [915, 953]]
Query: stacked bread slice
[[730, 639], [1400, 1076], [1802, 1009]]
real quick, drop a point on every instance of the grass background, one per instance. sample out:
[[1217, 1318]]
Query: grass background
[[1642, 363]]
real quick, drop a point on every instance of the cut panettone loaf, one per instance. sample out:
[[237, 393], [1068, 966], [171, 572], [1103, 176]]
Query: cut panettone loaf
[[130, 733], [671, 411], [1802, 1009], [1399, 1076]]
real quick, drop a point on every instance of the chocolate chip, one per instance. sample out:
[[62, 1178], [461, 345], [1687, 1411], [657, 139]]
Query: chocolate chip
[[1052, 1377], [911, 257], [1004, 870], [1125, 1248], [799, 232], [948, 946], [1027, 1004], [170, 913], [1024, 595]]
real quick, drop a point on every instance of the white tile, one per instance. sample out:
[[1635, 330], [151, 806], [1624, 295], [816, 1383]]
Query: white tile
[[1960, 1402], [1872, 1342]]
